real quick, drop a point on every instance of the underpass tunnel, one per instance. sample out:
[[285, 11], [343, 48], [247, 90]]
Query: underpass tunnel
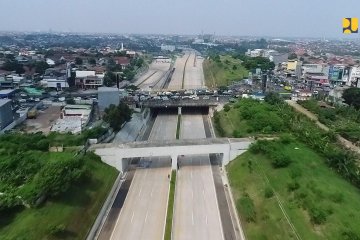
[[147, 162], [184, 110], [199, 159]]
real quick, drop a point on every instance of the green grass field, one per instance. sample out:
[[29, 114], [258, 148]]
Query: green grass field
[[231, 121], [224, 72], [319, 187], [76, 209]]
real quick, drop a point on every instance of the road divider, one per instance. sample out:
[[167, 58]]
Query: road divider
[[170, 209], [178, 127], [183, 77]]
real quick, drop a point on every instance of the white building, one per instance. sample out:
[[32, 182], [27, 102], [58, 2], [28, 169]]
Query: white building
[[354, 77], [170, 48], [50, 62], [57, 83], [88, 79]]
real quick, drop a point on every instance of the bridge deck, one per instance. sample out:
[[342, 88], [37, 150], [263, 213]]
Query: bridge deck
[[182, 142]]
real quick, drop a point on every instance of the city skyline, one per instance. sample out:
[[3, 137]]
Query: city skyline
[[229, 18]]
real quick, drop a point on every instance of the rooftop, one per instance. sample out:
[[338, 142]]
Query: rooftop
[[4, 101]]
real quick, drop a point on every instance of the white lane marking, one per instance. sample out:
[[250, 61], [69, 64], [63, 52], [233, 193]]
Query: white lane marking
[[191, 174], [206, 220], [192, 217], [146, 216], [203, 194], [132, 217], [152, 190], [140, 191], [192, 193]]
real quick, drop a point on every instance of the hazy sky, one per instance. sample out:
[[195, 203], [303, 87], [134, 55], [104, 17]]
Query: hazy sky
[[317, 18]]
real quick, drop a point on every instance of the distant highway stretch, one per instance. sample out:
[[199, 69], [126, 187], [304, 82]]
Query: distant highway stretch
[[196, 211]]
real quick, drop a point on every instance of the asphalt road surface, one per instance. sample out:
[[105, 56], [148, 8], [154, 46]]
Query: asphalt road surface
[[196, 214], [154, 76], [144, 212], [177, 77], [194, 76], [192, 126], [164, 127]]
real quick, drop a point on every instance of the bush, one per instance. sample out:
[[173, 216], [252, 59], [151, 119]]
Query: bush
[[246, 205], [227, 107], [280, 160], [269, 192], [286, 138], [237, 134], [317, 215], [57, 229], [349, 235], [292, 186]]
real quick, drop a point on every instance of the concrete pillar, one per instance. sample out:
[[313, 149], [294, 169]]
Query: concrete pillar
[[174, 162], [226, 158], [179, 110]]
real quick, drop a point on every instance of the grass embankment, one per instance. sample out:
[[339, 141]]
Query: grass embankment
[[303, 188], [343, 120], [223, 70], [178, 127], [69, 216], [170, 209], [308, 190], [245, 119]]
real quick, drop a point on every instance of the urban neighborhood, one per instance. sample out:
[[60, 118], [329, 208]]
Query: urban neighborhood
[[123, 127]]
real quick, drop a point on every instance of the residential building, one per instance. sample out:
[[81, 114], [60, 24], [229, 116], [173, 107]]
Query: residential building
[[6, 113], [122, 61], [354, 77], [88, 79], [50, 62], [58, 83], [301, 95], [5, 83], [336, 74]]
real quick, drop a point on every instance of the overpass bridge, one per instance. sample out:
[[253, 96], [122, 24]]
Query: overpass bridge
[[116, 155], [211, 102]]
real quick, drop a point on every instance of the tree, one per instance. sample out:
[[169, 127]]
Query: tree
[[351, 97], [117, 115], [292, 56], [12, 65], [78, 61], [273, 98], [109, 79], [40, 67], [92, 61]]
